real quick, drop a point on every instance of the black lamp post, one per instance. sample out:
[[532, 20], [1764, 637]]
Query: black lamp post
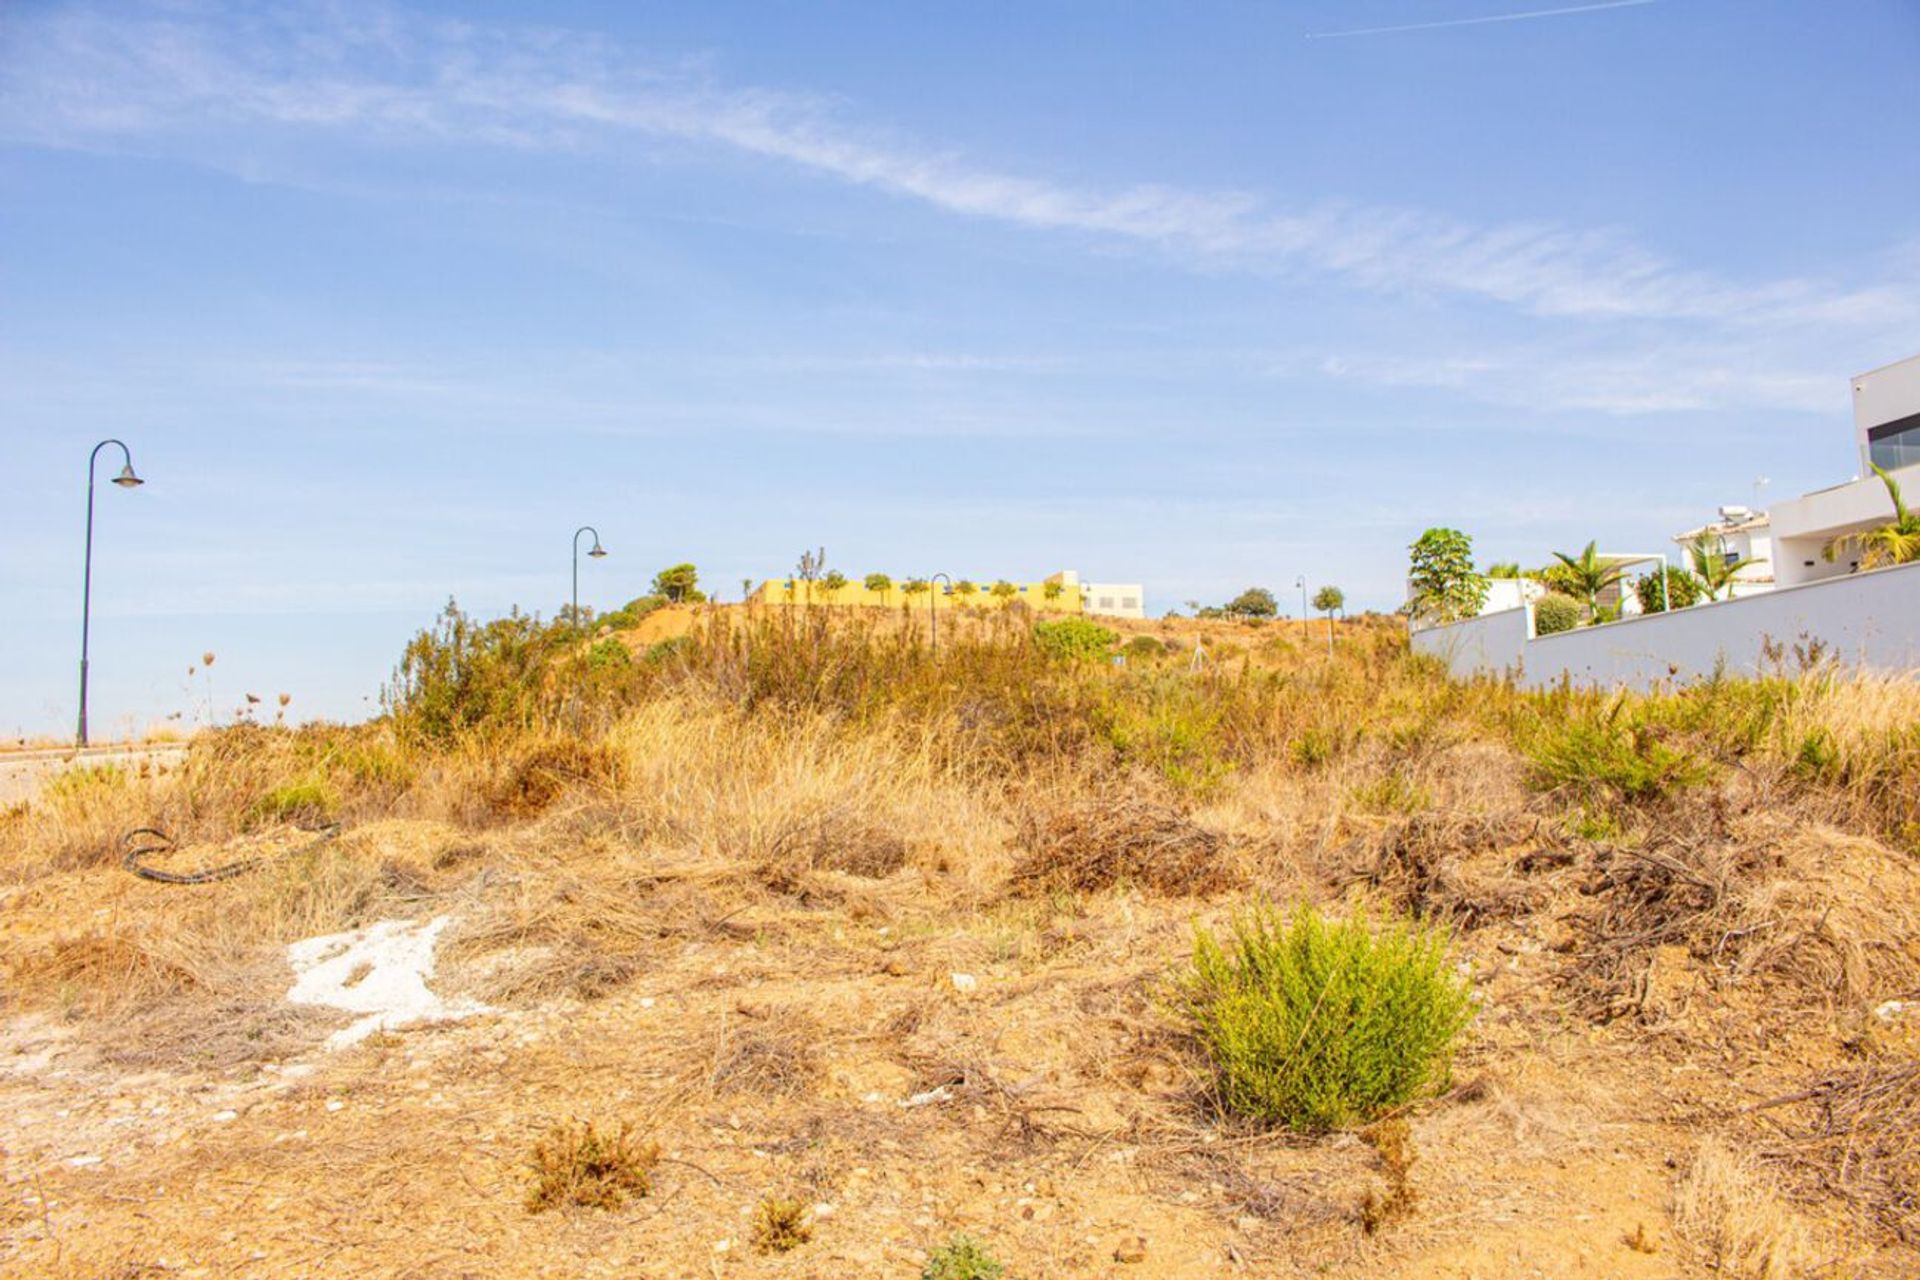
[[933, 611], [596, 553], [126, 480]]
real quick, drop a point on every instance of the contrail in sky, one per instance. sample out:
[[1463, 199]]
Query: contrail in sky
[[1474, 22]]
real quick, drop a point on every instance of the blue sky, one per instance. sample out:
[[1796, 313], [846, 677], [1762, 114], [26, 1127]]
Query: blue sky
[[388, 300]]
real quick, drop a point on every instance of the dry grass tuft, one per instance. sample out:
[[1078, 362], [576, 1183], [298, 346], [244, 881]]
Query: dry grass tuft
[[1112, 837], [1392, 1143], [576, 1164], [547, 768], [780, 1226], [1730, 1209], [772, 1057]]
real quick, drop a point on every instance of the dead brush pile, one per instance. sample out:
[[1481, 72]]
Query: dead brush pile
[[1854, 1136], [1114, 836]]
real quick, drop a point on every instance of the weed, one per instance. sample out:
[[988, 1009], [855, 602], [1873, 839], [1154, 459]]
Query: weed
[[576, 1164], [780, 1226], [1318, 1025], [1391, 793], [1610, 752], [1072, 639], [308, 801], [962, 1258], [1392, 1141]]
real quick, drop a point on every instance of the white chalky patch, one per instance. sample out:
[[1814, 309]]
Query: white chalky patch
[[380, 971]]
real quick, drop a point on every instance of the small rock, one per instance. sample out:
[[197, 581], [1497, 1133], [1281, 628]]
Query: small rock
[[1890, 1010], [225, 1117], [1134, 1250], [965, 982], [334, 1104], [82, 1162]]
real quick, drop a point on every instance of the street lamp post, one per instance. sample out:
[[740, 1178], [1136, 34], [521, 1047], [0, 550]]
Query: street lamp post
[[933, 612], [126, 480], [1301, 582], [596, 553]]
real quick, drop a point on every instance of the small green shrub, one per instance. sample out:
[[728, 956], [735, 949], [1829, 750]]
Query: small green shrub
[[309, 800], [1610, 752], [1072, 639], [1554, 613], [1143, 649], [780, 1226], [962, 1258], [1319, 1025], [663, 651], [1391, 793], [608, 653]]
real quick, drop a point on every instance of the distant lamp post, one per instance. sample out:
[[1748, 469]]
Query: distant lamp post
[[126, 480], [597, 552], [933, 610], [1301, 582]]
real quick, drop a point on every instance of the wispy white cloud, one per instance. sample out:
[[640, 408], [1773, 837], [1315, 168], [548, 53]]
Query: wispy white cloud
[[1528, 15], [86, 78]]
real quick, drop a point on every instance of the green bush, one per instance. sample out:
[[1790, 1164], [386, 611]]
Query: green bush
[[1683, 590], [310, 800], [1072, 639], [1609, 752], [663, 651], [608, 653], [1143, 649], [1319, 1025], [1554, 612], [962, 1258]]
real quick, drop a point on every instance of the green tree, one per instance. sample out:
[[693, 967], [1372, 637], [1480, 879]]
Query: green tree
[[1504, 569], [1589, 574], [1442, 578], [832, 583], [1254, 602], [879, 584], [1003, 591], [1897, 542], [678, 584], [746, 588], [965, 589], [1053, 589], [1682, 590], [916, 586], [1712, 568], [1327, 599]]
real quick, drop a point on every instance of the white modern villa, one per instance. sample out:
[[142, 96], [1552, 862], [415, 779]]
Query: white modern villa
[[1788, 597]]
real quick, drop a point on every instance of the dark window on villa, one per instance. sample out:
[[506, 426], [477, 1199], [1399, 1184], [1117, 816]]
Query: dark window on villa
[[1895, 444]]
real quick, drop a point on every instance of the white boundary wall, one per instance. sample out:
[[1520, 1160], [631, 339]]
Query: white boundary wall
[[1864, 619]]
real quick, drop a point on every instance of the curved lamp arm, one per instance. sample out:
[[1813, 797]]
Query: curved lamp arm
[[596, 552]]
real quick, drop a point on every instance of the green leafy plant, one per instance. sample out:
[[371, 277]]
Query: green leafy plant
[[1329, 598], [1053, 588], [1554, 613], [915, 587], [1896, 542], [1072, 639], [879, 583], [1254, 602], [1003, 591], [1711, 567], [965, 589], [832, 584], [1608, 753], [1320, 1025], [1683, 589], [1143, 649], [608, 653], [1588, 575], [679, 584], [1442, 579], [962, 1258]]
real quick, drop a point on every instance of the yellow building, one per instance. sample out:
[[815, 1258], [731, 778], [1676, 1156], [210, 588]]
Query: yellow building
[[1061, 592]]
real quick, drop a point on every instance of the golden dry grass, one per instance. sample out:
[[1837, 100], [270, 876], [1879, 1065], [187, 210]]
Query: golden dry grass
[[839, 925]]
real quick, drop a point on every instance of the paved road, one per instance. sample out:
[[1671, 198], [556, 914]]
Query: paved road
[[22, 773]]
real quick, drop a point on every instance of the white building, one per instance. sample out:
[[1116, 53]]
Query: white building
[[1109, 599], [1739, 534], [1886, 418]]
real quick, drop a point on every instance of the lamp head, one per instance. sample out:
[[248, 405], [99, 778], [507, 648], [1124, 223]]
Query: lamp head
[[598, 550], [126, 479]]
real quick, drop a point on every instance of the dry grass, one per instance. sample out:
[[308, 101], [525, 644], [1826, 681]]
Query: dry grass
[[743, 882], [1733, 1211], [576, 1165]]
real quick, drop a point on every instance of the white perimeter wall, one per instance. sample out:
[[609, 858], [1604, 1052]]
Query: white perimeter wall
[[1865, 619]]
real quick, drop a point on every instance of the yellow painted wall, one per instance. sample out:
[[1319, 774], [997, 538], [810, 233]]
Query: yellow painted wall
[[790, 591]]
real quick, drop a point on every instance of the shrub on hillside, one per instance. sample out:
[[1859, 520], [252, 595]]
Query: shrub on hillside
[[1554, 613], [1143, 649], [962, 1258], [1321, 1025], [1072, 639], [1683, 590], [1611, 752]]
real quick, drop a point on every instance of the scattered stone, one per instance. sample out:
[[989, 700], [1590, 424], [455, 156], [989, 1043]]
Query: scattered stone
[[965, 983], [224, 1117], [1134, 1250], [928, 1098]]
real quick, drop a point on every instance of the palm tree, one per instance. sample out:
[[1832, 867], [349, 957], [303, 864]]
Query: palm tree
[[1895, 543], [1588, 576], [1711, 566]]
